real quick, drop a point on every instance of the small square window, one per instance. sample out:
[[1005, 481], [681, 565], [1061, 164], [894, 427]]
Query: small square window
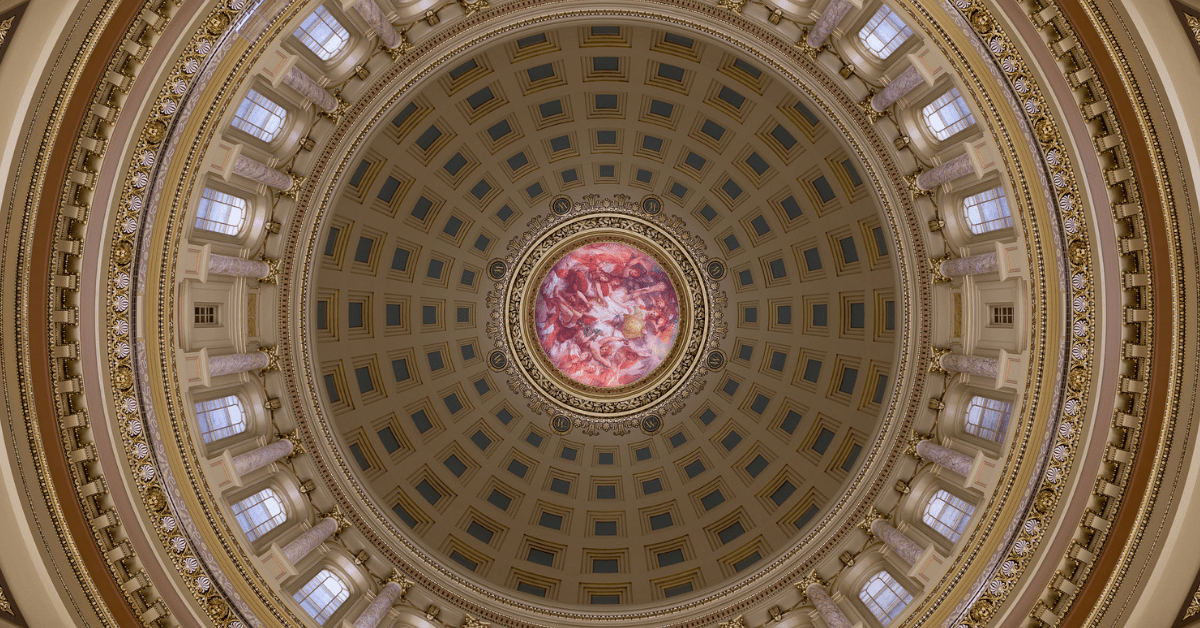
[[731, 242], [604, 457], [760, 225], [745, 352], [731, 188], [388, 438], [778, 361], [550, 109], [606, 138], [824, 190], [452, 403], [400, 369], [518, 468], [421, 421], [606, 64], [732, 532], [812, 259], [760, 403], [533, 438], [712, 129], [708, 213], [481, 440], [652, 486], [608, 171], [468, 352], [606, 101], [606, 491], [455, 465], [823, 440], [652, 143], [547, 520], [499, 130], [560, 143], [660, 108], [643, 176], [783, 315], [677, 439], [694, 468], [849, 378], [849, 251], [642, 453], [435, 360], [606, 528], [560, 486], [660, 521], [820, 315], [731, 97], [712, 500], [790, 422], [569, 453], [731, 440], [812, 370]]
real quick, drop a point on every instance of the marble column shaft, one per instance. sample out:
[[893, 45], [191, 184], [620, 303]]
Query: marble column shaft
[[237, 267], [237, 363], [908, 80], [981, 264], [971, 365], [261, 457], [946, 458], [379, 606], [307, 542], [898, 541], [264, 174], [833, 616], [956, 168], [379, 22], [828, 21], [307, 87]]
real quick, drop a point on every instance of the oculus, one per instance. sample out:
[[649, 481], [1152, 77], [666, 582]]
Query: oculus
[[606, 314], [603, 313]]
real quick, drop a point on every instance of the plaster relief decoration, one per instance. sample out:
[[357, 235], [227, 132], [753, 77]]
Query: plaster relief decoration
[[606, 314], [8, 26], [602, 314]]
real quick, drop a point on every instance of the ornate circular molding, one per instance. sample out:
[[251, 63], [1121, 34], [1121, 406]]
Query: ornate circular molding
[[532, 254]]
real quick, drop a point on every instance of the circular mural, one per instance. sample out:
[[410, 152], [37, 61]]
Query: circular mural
[[606, 314]]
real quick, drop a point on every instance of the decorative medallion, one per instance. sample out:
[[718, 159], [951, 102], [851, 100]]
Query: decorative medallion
[[604, 312]]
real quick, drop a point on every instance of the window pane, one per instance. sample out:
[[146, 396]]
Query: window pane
[[947, 115], [988, 418], [259, 116], [322, 34], [220, 418], [948, 515], [884, 33], [220, 212], [884, 597], [987, 211], [322, 595], [260, 513]]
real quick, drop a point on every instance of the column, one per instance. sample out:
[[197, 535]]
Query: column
[[237, 267], [379, 606], [264, 174], [828, 21], [312, 537], [310, 89], [981, 264], [908, 80], [946, 458], [971, 365], [261, 457], [379, 22], [905, 547], [833, 616], [956, 168], [238, 363]]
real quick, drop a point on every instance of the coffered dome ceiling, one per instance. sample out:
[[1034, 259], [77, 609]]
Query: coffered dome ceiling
[[537, 313], [743, 461]]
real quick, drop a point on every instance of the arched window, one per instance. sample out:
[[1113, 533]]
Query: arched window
[[884, 33], [259, 116], [988, 418], [321, 33], [947, 115], [260, 513], [220, 212], [220, 418], [322, 595], [947, 514], [884, 597], [987, 211]]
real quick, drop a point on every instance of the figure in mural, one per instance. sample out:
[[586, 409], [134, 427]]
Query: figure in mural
[[606, 314]]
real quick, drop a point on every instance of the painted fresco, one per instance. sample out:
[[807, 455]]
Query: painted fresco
[[606, 314]]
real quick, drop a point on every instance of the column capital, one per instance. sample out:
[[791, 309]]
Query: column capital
[[401, 49], [294, 189], [339, 518], [293, 437], [935, 360], [272, 353], [473, 622], [916, 438], [473, 6], [736, 622], [812, 579], [869, 520], [273, 273], [398, 579], [936, 275]]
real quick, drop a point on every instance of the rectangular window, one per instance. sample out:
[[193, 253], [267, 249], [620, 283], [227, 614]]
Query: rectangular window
[[205, 315], [1002, 316]]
